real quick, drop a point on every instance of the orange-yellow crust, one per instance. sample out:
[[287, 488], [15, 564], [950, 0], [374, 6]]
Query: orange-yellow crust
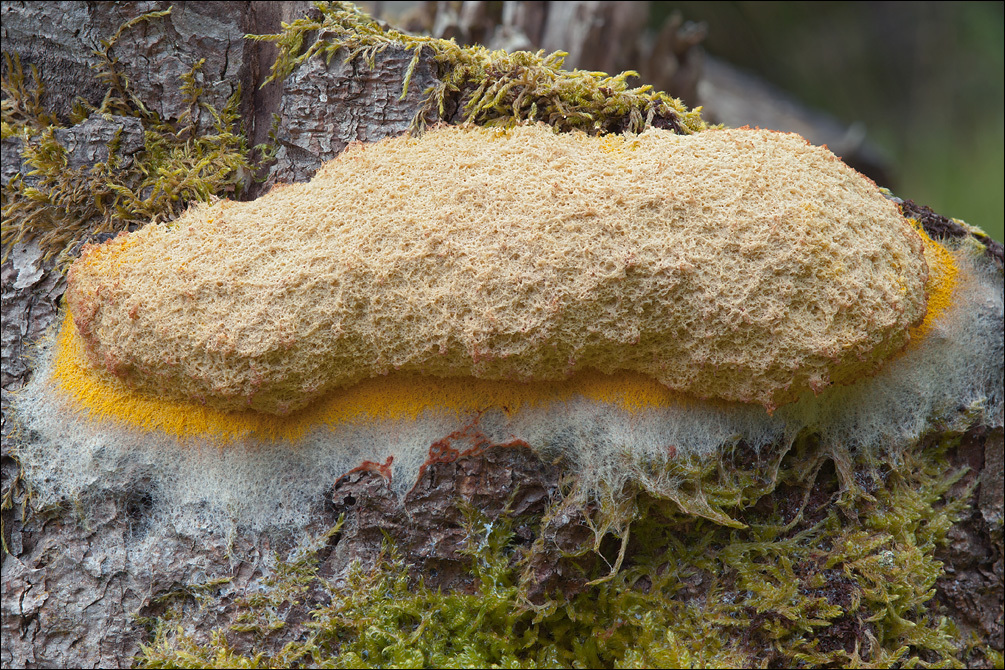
[[395, 397]]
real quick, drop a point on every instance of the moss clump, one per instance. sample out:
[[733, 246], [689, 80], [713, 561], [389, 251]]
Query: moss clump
[[493, 88], [794, 580], [182, 160]]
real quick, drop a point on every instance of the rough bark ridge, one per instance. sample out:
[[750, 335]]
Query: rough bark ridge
[[324, 107], [73, 586]]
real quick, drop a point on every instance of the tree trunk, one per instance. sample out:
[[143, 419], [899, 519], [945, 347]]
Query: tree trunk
[[78, 581]]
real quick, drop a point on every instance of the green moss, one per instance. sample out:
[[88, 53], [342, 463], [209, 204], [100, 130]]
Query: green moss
[[807, 573], [182, 161], [490, 87], [22, 105]]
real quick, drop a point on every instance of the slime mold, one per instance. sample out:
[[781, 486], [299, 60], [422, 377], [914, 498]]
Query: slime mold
[[628, 303], [739, 265]]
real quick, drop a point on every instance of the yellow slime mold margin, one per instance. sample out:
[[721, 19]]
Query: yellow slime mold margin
[[942, 279], [394, 397]]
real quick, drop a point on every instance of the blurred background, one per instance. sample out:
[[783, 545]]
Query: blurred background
[[911, 94]]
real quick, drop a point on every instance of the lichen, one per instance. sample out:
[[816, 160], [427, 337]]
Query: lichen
[[492, 88], [793, 580]]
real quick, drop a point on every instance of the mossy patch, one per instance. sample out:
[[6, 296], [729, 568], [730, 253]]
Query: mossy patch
[[807, 573], [181, 161], [483, 87]]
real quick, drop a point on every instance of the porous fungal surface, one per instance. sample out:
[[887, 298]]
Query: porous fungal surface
[[741, 265]]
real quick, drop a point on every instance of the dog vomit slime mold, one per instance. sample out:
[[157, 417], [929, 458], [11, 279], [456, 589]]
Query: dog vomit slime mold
[[617, 299], [735, 264]]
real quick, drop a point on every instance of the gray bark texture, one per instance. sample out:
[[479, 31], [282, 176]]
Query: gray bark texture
[[74, 588], [368, 107]]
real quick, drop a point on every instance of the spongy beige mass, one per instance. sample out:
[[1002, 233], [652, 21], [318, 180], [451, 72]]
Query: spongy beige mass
[[744, 265]]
